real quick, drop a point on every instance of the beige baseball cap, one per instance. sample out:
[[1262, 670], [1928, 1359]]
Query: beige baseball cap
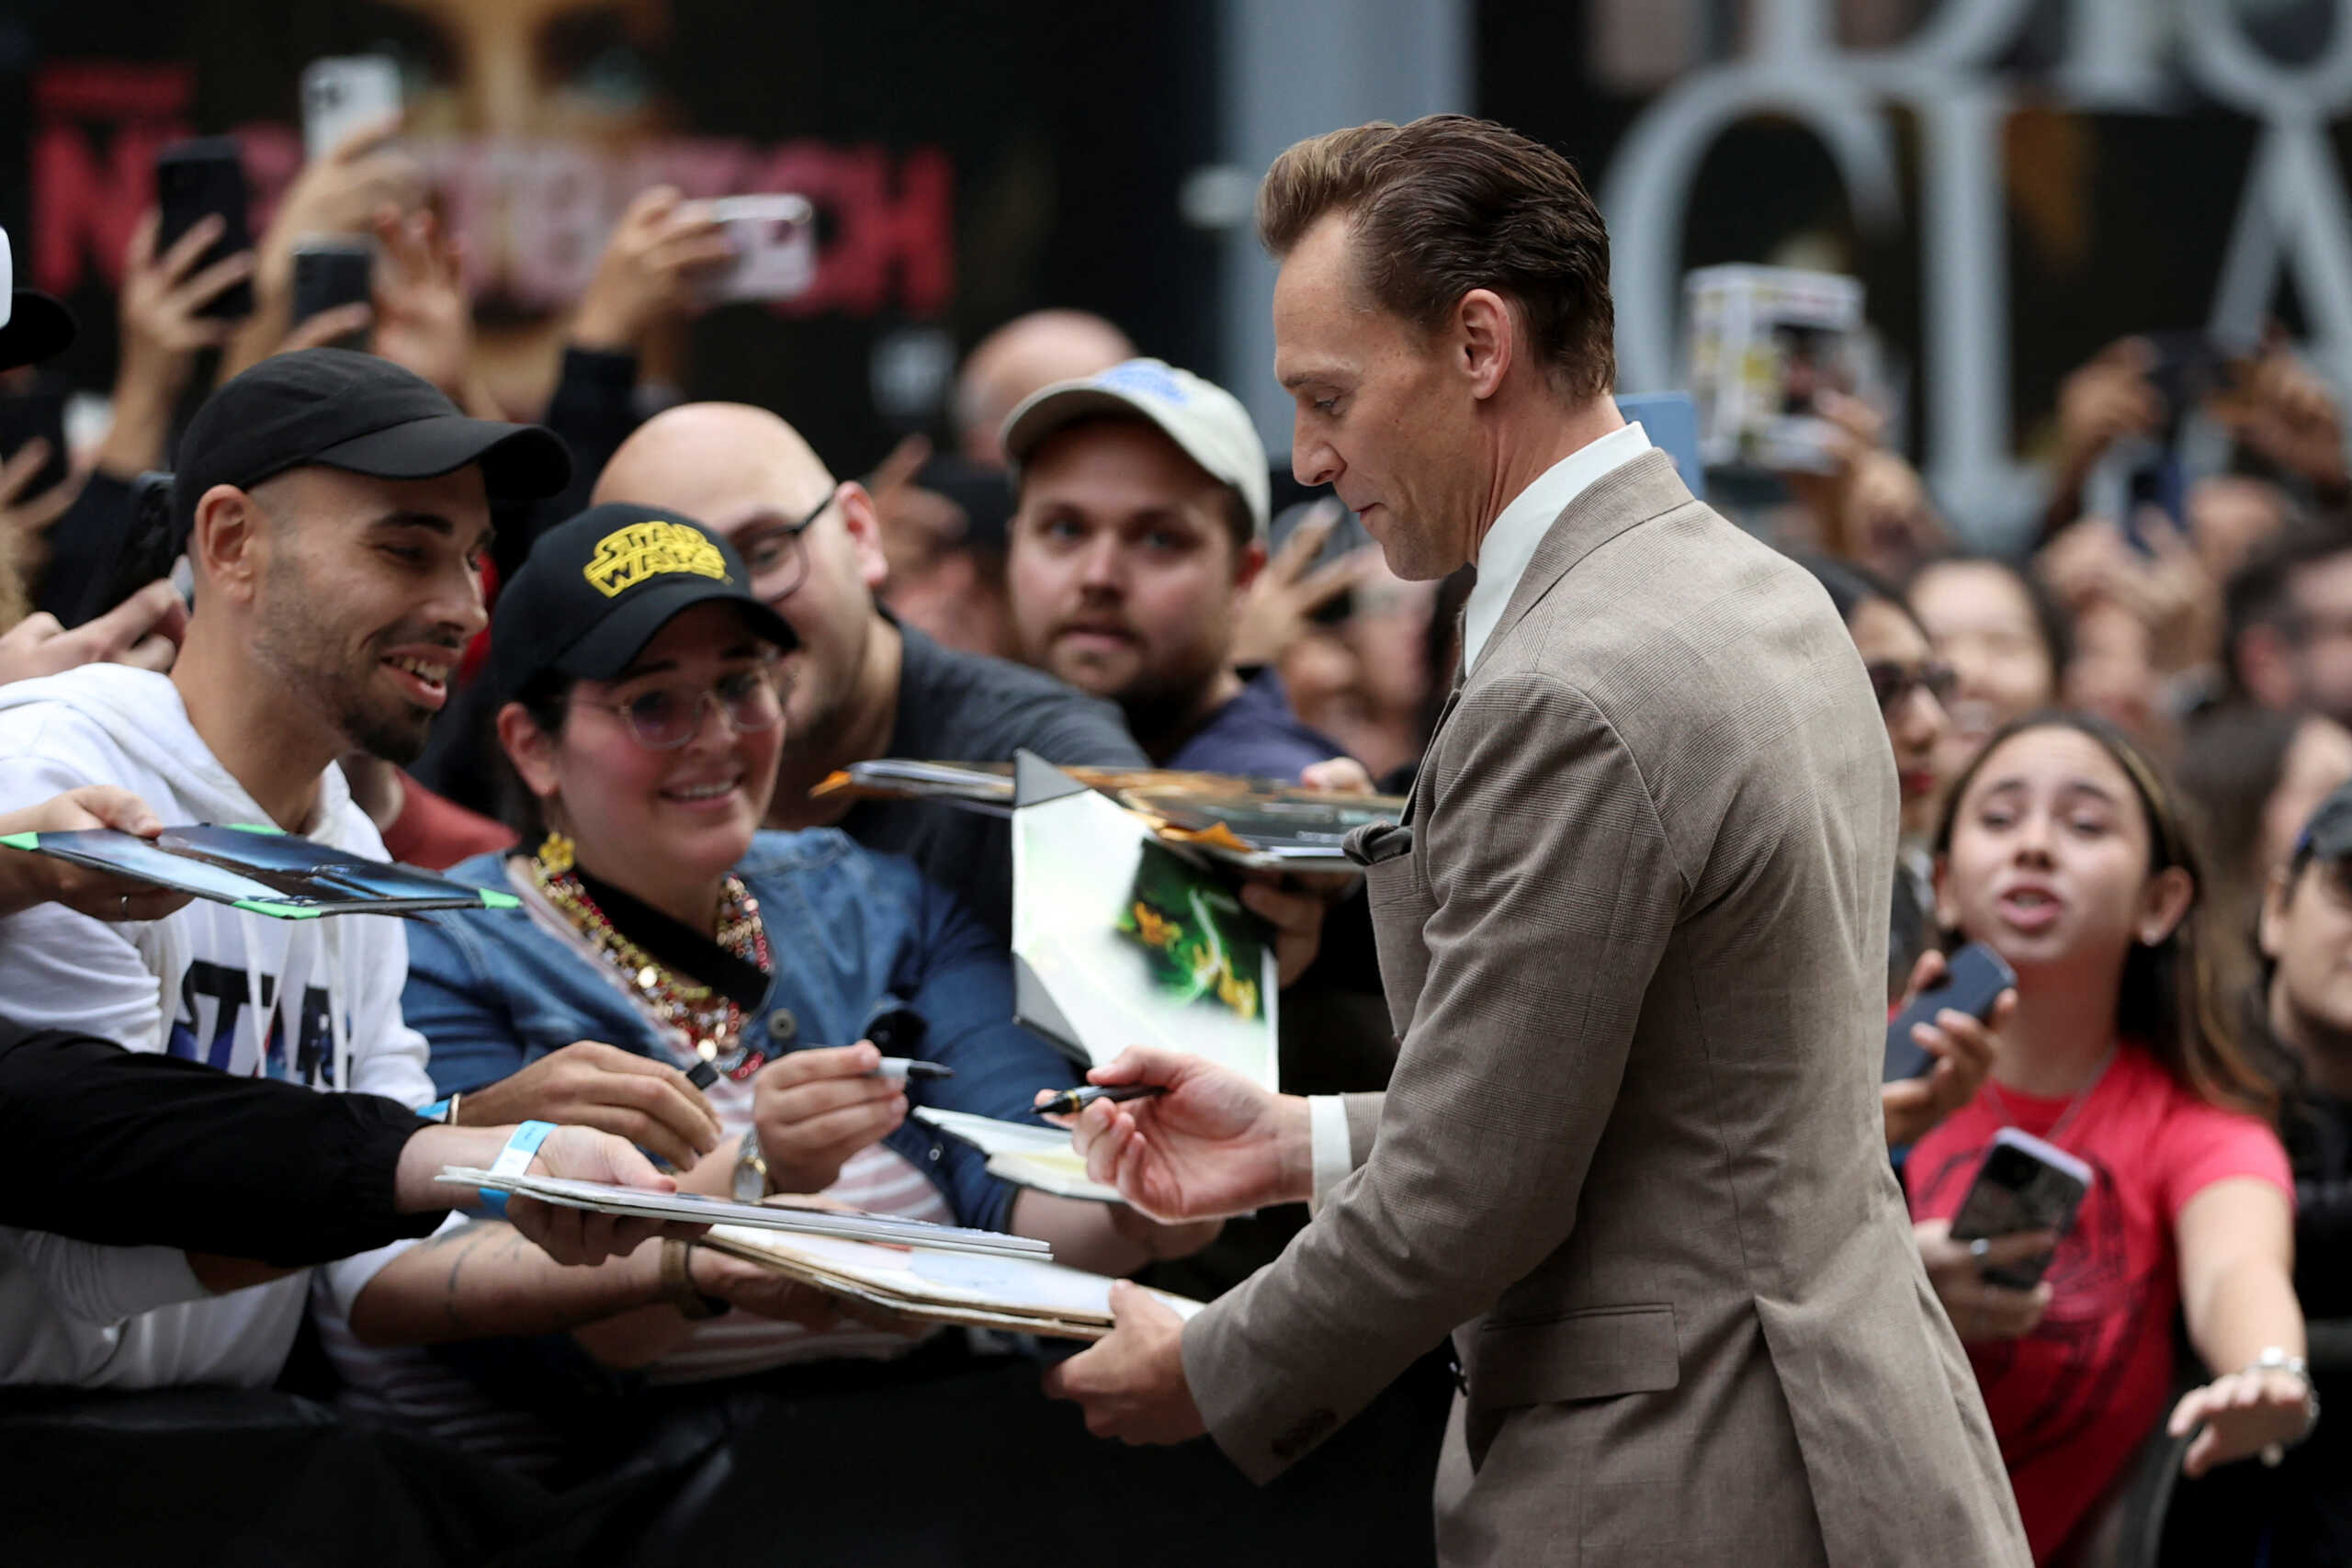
[[1205, 420]]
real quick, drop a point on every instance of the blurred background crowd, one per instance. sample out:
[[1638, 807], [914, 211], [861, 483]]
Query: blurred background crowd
[[2092, 454]]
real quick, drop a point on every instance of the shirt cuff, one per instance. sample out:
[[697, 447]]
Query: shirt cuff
[[1331, 1156]]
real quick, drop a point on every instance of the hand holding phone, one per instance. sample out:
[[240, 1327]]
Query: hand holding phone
[[341, 93], [774, 240], [330, 274], [201, 178], [1971, 984], [2025, 1184]]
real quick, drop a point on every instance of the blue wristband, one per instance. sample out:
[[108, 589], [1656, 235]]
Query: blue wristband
[[513, 1160], [436, 1112]]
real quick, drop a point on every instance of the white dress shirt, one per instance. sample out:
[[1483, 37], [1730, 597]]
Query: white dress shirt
[[1503, 555], [1510, 544]]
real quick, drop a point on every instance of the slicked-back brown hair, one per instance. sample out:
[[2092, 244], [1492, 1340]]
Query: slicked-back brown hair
[[1451, 203]]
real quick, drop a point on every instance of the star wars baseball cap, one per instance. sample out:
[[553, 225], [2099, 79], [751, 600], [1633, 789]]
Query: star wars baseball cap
[[339, 408], [33, 327], [594, 589], [1204, 418]]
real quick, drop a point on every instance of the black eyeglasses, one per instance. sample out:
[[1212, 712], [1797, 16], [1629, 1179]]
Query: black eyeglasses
[[667, 718], [777, 558], [1891, 682]]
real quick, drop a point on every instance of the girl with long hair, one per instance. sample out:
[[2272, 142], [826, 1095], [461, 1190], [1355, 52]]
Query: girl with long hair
[[2063, 848]]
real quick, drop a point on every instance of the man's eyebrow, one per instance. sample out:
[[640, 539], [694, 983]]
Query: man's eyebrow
[[432, 521], [1306, 375]]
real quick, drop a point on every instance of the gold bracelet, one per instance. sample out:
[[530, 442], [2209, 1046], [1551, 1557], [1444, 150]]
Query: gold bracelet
[[678, 1283]]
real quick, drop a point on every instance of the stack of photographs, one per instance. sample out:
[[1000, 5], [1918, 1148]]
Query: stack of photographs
[[903, 1286], [1254, 823], [264, 871]]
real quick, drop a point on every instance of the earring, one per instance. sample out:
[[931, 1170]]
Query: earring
[[555, 853]]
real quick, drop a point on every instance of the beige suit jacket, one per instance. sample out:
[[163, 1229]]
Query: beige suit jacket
[[1634, 937]]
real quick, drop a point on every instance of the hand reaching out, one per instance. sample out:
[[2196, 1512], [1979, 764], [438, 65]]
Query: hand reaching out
[[1962, 1048], [2105, 401], [1978, 1309], [816, 1108], [594, 1085], [581, 1235], [26, 879], [424, 321], [2243, 1414], [143, 631], [1284, 595], [1213, 1145], [651, 270], [26, 514]]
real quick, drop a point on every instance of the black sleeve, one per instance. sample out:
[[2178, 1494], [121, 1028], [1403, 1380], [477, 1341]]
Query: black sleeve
[[128, 1148], [2324, 1246], [82, 546]]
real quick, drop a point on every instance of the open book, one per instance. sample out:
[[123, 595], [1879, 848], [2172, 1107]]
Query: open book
[[1021, 1295], [263, 869]]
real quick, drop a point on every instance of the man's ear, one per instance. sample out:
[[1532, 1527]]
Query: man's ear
[[863, 523], [226, 547], [529, 747], [1485, 347]]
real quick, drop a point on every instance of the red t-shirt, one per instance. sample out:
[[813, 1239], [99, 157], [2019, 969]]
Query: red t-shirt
[[2073, 1399]]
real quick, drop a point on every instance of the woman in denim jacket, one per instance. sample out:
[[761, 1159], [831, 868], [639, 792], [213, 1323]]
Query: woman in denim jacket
[[657, 927]]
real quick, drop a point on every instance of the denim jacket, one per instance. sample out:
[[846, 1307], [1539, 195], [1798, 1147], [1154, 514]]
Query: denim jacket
[[494, 992]]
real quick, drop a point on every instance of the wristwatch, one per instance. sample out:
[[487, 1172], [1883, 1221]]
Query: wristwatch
[[751, 1169], [2276, 1360]]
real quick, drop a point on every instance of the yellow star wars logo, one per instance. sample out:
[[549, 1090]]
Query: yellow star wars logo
[[627, 557]]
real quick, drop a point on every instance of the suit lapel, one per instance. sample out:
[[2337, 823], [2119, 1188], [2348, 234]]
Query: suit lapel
[[1626, 497]]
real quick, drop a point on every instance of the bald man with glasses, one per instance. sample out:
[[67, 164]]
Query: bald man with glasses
[[863, 684]]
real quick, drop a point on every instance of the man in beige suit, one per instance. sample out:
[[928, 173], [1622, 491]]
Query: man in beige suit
[[1632, 933]]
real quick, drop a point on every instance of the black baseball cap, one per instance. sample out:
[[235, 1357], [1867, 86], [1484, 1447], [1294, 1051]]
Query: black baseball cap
[[33, 326], [340, 409], [594, 591], [2328, 835], [37, 328]]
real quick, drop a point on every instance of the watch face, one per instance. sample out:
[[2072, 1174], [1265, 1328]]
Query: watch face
[[751, 1171]]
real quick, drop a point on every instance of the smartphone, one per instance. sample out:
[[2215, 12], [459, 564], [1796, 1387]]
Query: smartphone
[[200, 178], [332, 273], [775, 238], [1974, 979], [127, 554], [38, 411], [343, 93], [2025, 1184]]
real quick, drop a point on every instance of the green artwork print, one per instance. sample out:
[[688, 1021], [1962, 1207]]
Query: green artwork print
[[1199, 943]]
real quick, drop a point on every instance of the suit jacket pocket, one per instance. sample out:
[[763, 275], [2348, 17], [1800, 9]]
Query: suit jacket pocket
[[1592, 1353]]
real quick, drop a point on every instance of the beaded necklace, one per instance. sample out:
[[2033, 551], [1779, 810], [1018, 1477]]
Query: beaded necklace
[[709, 1020]]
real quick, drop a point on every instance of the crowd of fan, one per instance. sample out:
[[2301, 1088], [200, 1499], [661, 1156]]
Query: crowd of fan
[[397, 643]]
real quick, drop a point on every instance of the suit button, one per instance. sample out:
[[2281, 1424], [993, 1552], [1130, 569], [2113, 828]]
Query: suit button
[[782, 1026]]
